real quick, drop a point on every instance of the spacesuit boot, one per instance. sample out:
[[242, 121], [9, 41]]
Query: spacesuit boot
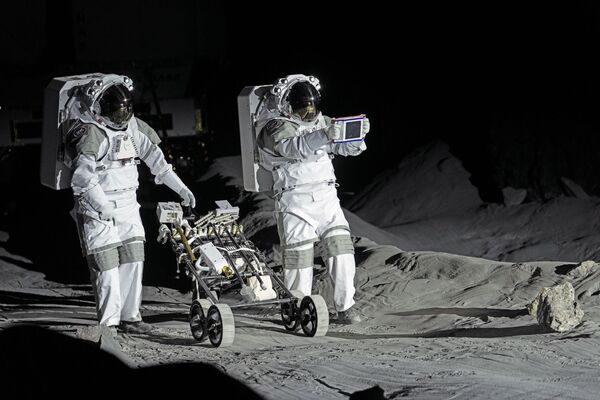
[[350, 316]]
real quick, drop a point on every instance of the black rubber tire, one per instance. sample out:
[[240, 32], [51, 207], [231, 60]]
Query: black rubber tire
[[197, 320], [220, 325], [290, 312]]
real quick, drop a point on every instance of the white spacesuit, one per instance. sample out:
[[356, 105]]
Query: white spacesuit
[[106, 142], [296, 145]]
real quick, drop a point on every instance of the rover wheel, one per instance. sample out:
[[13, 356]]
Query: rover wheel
[[220, 325], [290, 311], [205, 303], [314, 316], [197, 319]]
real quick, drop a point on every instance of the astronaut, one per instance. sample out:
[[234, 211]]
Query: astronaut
[[106, 141], [296, 144]]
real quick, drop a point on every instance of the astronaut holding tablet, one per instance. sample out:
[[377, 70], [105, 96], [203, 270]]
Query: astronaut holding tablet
[[294, 142]]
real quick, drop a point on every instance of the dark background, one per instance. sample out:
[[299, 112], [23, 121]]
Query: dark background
[[510, 86]]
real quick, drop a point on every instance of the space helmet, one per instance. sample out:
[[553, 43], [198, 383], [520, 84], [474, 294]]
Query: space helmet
[[114, 106]]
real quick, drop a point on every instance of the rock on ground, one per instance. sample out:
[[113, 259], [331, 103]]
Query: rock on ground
[[555, 308]]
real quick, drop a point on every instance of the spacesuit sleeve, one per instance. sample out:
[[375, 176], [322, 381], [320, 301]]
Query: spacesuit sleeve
[[148, 131], [280, 137], [152, 156], [85, 178]]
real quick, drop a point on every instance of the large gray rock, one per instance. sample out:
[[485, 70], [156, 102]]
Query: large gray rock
[[555, 308]]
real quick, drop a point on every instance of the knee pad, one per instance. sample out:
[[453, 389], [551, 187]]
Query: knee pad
[[104, 260], [332, 246], [131, 252], [298, 258]]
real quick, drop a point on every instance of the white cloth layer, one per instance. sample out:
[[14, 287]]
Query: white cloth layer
[[97, 235], [118, 293], [105, 167], [307, 213]]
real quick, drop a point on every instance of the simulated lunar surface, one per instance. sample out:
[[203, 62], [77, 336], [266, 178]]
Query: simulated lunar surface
[[458, 298]]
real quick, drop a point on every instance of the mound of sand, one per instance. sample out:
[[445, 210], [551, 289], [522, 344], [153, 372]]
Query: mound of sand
[[430, 182], [429, 204]]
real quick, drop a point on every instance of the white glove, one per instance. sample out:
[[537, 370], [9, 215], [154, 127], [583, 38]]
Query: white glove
[[163, 233], [107, 212], [366, 126], [187, 197], [355, 148], [333, 131], [175, 183]]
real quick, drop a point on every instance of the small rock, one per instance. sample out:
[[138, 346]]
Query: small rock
[[555, 308], [90, 333], [513, 197]]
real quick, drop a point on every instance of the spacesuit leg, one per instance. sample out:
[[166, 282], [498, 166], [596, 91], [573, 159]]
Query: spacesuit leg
[[104, 276], [131, 256], [337, 248], [342, 269], [339, 258], [130, 275], [297, 237]]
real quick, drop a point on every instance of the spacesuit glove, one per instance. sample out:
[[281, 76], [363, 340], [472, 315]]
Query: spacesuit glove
[[333, 131], [366, 126], [107, 212], [187, 197], [175, 183], [352, 148]]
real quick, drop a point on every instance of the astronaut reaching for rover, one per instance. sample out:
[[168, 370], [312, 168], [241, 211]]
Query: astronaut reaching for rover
[[106, 140], [295, 142]]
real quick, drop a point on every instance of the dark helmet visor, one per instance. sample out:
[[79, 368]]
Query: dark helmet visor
[[305, 101], [116, 105]]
